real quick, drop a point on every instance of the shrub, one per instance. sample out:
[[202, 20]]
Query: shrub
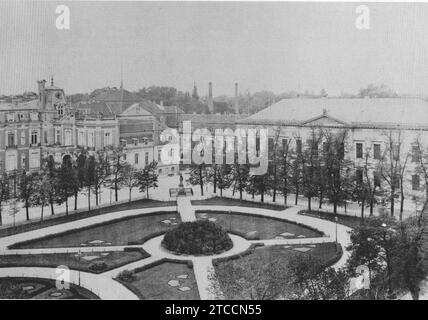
[[197, 238], [126, 276], [98, 266]]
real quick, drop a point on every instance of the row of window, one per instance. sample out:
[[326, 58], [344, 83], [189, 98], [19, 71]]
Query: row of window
[[12, 161], [416, 182], [12, 141], [136, 158], [415, 155], [87, 138]]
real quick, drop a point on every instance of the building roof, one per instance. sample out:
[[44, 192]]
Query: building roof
[[93, 108], [351, 112], [33, 104]]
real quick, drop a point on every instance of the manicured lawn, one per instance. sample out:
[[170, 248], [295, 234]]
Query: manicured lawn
[[326, 252], [62, 218], [218, 201], [34, 288], [268, 228], [119, 232], [153, 284], [111, 259], [349, 221]]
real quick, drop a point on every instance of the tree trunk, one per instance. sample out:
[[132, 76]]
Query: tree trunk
[[1, 218], [362, 208], [371, 206], [335, 207], [262, 197], [252, 195], [66, 206], [202, 189], [115, 188], [96, 196], [321, 198], [27, 214], [41, 214], [75, 200], [309, 204], [130, 190], [221, 192], [52, 207], [297, 195], [285, 197], [392, 202], [89, 199], [401, 205], [147, 192]]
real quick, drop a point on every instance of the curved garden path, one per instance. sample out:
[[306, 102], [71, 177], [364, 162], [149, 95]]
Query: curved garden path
[[106, 287]]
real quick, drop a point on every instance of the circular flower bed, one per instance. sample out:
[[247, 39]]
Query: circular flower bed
[[197, 238]]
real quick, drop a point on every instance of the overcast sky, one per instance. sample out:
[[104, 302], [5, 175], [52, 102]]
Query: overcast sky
[[262, 46]]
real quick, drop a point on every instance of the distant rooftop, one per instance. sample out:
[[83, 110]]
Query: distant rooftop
[[397, 111]]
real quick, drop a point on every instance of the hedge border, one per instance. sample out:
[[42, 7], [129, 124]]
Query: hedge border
[[137, 292], [51, 236], [322, 234], [16, 265], [245, 203]]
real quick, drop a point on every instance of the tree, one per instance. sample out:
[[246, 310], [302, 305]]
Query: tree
[[67, 184], [274, 162], [408, 269], [130, 178], [223, 177], [118, 163], [148, 178], [296, 175], [258, 184], [377, 91], [239, 174], [101, 173], [90, 174], [41, 197], [312, 281], [26, 188], [14, 209], [310, 164], [50, 172], [338, 169], [392, 168], [79, 170], [285, 169], [199, 176]]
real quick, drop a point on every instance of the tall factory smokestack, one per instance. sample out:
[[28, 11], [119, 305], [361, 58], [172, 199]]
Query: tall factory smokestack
[[210, 97], [236, 102]]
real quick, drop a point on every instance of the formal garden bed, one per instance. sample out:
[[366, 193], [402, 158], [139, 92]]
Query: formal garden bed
[[197, 238], [258, 257], [349, 221], [94, 262], [246, 225], [162, 280], [123, 231], [225, 201], [73, 216], [35, 288]]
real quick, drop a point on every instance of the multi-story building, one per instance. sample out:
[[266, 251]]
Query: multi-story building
[[373, 127]]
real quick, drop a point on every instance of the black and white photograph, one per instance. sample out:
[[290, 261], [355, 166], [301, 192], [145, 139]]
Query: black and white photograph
[[221, 151]]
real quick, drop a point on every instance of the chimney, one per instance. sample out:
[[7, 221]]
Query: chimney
[[236, 102], [41, 86], [210, 97]]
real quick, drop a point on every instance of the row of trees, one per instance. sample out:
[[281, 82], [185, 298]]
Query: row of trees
[[322, 170], [56, 183]]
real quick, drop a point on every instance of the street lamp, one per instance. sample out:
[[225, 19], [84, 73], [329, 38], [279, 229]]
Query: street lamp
[[336, 219], [79, 254]]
